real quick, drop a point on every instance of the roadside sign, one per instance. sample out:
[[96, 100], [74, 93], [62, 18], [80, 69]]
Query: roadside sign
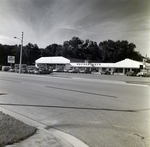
[[11, 59]]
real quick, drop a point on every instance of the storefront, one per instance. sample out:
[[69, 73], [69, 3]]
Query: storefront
[[118, 68], [52, 62]]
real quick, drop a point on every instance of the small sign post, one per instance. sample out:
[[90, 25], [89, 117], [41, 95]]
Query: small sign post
[[11, 60]]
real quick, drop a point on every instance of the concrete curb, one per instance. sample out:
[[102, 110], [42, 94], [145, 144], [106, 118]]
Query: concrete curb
[[43, 137]]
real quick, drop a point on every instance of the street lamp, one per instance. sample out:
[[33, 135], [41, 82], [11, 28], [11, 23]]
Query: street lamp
[[21, 39]]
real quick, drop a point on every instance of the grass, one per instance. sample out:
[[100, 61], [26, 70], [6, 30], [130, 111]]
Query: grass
[[13, 130]]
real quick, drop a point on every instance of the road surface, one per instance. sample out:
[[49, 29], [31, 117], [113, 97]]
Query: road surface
[[101, 111]]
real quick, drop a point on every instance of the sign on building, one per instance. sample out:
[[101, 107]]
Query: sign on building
[[11, 59]]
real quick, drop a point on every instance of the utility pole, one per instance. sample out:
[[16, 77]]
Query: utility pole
[[20, 51]]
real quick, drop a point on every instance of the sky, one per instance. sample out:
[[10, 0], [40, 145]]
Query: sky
[[45, 22]]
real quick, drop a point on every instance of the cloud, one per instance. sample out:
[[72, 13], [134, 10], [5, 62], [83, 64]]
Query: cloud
[[47, 21]]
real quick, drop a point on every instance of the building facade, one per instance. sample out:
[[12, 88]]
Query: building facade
[[52, 62], [118, 68]]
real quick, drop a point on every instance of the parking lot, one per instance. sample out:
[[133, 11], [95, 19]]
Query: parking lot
[[123, 78]]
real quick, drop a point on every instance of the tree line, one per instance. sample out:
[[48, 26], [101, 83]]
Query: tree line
[[107, 51]]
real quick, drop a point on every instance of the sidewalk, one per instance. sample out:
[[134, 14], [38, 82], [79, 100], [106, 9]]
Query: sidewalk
[[42, 138]]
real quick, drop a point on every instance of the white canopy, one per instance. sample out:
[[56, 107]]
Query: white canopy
[[128, 63], [52, 60]]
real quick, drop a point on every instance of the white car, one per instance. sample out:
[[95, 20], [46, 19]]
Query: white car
[[142, 73]]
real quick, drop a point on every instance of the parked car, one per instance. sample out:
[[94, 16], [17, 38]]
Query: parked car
[[65, 70], [30, 70], [58, 70], [106, 72], [36, 71], [17, 70], [44, 71], [82, 71], [142, 73], [11, 70], [6, 68], [73, 71], [147, 74], [130, 73], [24, 70], [87, 70]]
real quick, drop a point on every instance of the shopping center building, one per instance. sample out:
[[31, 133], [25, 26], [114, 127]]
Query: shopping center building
[[118, 68], [56, 62]]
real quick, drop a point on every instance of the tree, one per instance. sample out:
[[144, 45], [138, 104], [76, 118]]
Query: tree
[[65, 47], [30, 54], [75, 44], [106, 51], [115, 51], [54, 50], [2, 54]]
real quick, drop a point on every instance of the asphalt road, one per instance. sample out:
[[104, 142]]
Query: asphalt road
[[100, 110]]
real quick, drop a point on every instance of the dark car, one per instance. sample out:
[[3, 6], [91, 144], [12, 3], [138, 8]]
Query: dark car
[[88, 71], [45, 71], [130, 73], [106, 72], [85, 71], [6, 68]]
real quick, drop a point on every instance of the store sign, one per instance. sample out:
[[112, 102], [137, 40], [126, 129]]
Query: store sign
[[11, 59]]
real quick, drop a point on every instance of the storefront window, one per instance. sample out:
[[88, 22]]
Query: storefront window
[[118, 70]]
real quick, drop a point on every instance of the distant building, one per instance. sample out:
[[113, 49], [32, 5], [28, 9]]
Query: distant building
[[53, 62], [118, 68]]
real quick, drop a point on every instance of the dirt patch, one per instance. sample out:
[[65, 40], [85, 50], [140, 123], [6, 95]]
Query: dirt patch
[[13, 130]]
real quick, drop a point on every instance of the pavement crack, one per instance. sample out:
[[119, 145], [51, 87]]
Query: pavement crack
[[142, 137], [78, 91], [3, 93]]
